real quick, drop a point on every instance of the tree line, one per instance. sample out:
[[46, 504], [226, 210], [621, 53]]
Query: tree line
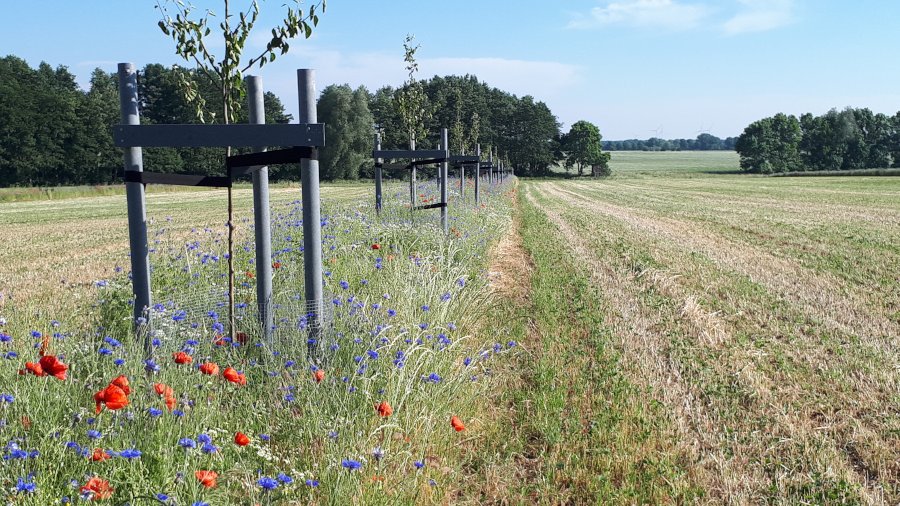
[[54, 133], [703, 142], [851, 139]]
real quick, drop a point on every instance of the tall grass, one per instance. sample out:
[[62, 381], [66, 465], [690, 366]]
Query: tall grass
[[401, 322]]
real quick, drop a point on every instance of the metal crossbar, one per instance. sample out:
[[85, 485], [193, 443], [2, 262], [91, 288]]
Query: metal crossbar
[[175, 179], [394, 154]]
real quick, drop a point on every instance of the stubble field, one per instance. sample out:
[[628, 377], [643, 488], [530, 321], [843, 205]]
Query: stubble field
[[761, 314]]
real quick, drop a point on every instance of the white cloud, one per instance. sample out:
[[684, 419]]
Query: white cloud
[[667, 14], [760, 16]]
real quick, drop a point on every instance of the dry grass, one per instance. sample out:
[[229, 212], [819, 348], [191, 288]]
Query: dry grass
[[55, 247], [782, 377]]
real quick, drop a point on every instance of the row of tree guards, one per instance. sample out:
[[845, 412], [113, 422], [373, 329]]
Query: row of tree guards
[[304, 138], [443, 159]]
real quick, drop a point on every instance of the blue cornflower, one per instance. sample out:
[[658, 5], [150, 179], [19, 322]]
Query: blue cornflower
[[391, 313], [179, 413], [25, 486], [154, 412], [265, 437], [446, 297], [204, 438], [423, 326], [312, 483], [10, 355], [209, 448], [200, 503], [132, 453], [150, 365], [94, 434], [345, 285], [187, 442], [7, 398], [426, 308], [467, 361], [451, 326], [283, 478], [461, 282], [119, 362], [373, 355], [351, 464], [419, 464], [104, 351], [267, 483], [434, 378], [511, 344], [179, 315], [156, 342], [112, 342]]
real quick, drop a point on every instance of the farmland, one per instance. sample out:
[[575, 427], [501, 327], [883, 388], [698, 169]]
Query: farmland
[[674, 333], [760, 316]]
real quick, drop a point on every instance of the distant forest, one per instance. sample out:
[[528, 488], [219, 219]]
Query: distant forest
[[54, 133], [851, 139], [703, 142]]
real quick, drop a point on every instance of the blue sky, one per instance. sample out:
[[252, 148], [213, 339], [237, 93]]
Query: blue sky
[[636, 68]]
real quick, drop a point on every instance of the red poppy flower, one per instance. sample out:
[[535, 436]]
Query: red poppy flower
[[100, 455], [122, 382], [113, 397], [233, 376], [384, 409], [166, 392], [210, 368], [241, 439], [97, 488], [182, 358], [241, 337], [319, 375], [376, 246], [249, 274], [276, 265], [207, 478], [53, 367], [33, 368], [457, 424]]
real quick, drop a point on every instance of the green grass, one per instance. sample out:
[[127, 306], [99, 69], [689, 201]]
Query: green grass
[[665, 163]]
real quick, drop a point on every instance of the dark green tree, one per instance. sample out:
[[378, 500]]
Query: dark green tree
[[348, 128]]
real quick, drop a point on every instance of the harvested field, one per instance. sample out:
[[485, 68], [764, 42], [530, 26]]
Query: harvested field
[[764, 314]]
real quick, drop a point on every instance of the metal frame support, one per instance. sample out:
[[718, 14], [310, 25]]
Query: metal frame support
[[312, 216], [462, 181], [134, 192], [412, 179], [379, 164], [261, 216], [445, 168], [477, 173]]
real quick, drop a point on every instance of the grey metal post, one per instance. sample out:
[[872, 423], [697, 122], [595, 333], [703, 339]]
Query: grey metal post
[[261, 216], [134, 193], [462, 180], [312, 217], [477, 172], [445, 168], [378, 164], [412, 179], [491, 168]]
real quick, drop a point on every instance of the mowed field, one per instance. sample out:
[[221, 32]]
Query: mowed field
[[761, 314], [48, 245]]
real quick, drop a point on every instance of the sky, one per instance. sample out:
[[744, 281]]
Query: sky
[[635, 68]]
